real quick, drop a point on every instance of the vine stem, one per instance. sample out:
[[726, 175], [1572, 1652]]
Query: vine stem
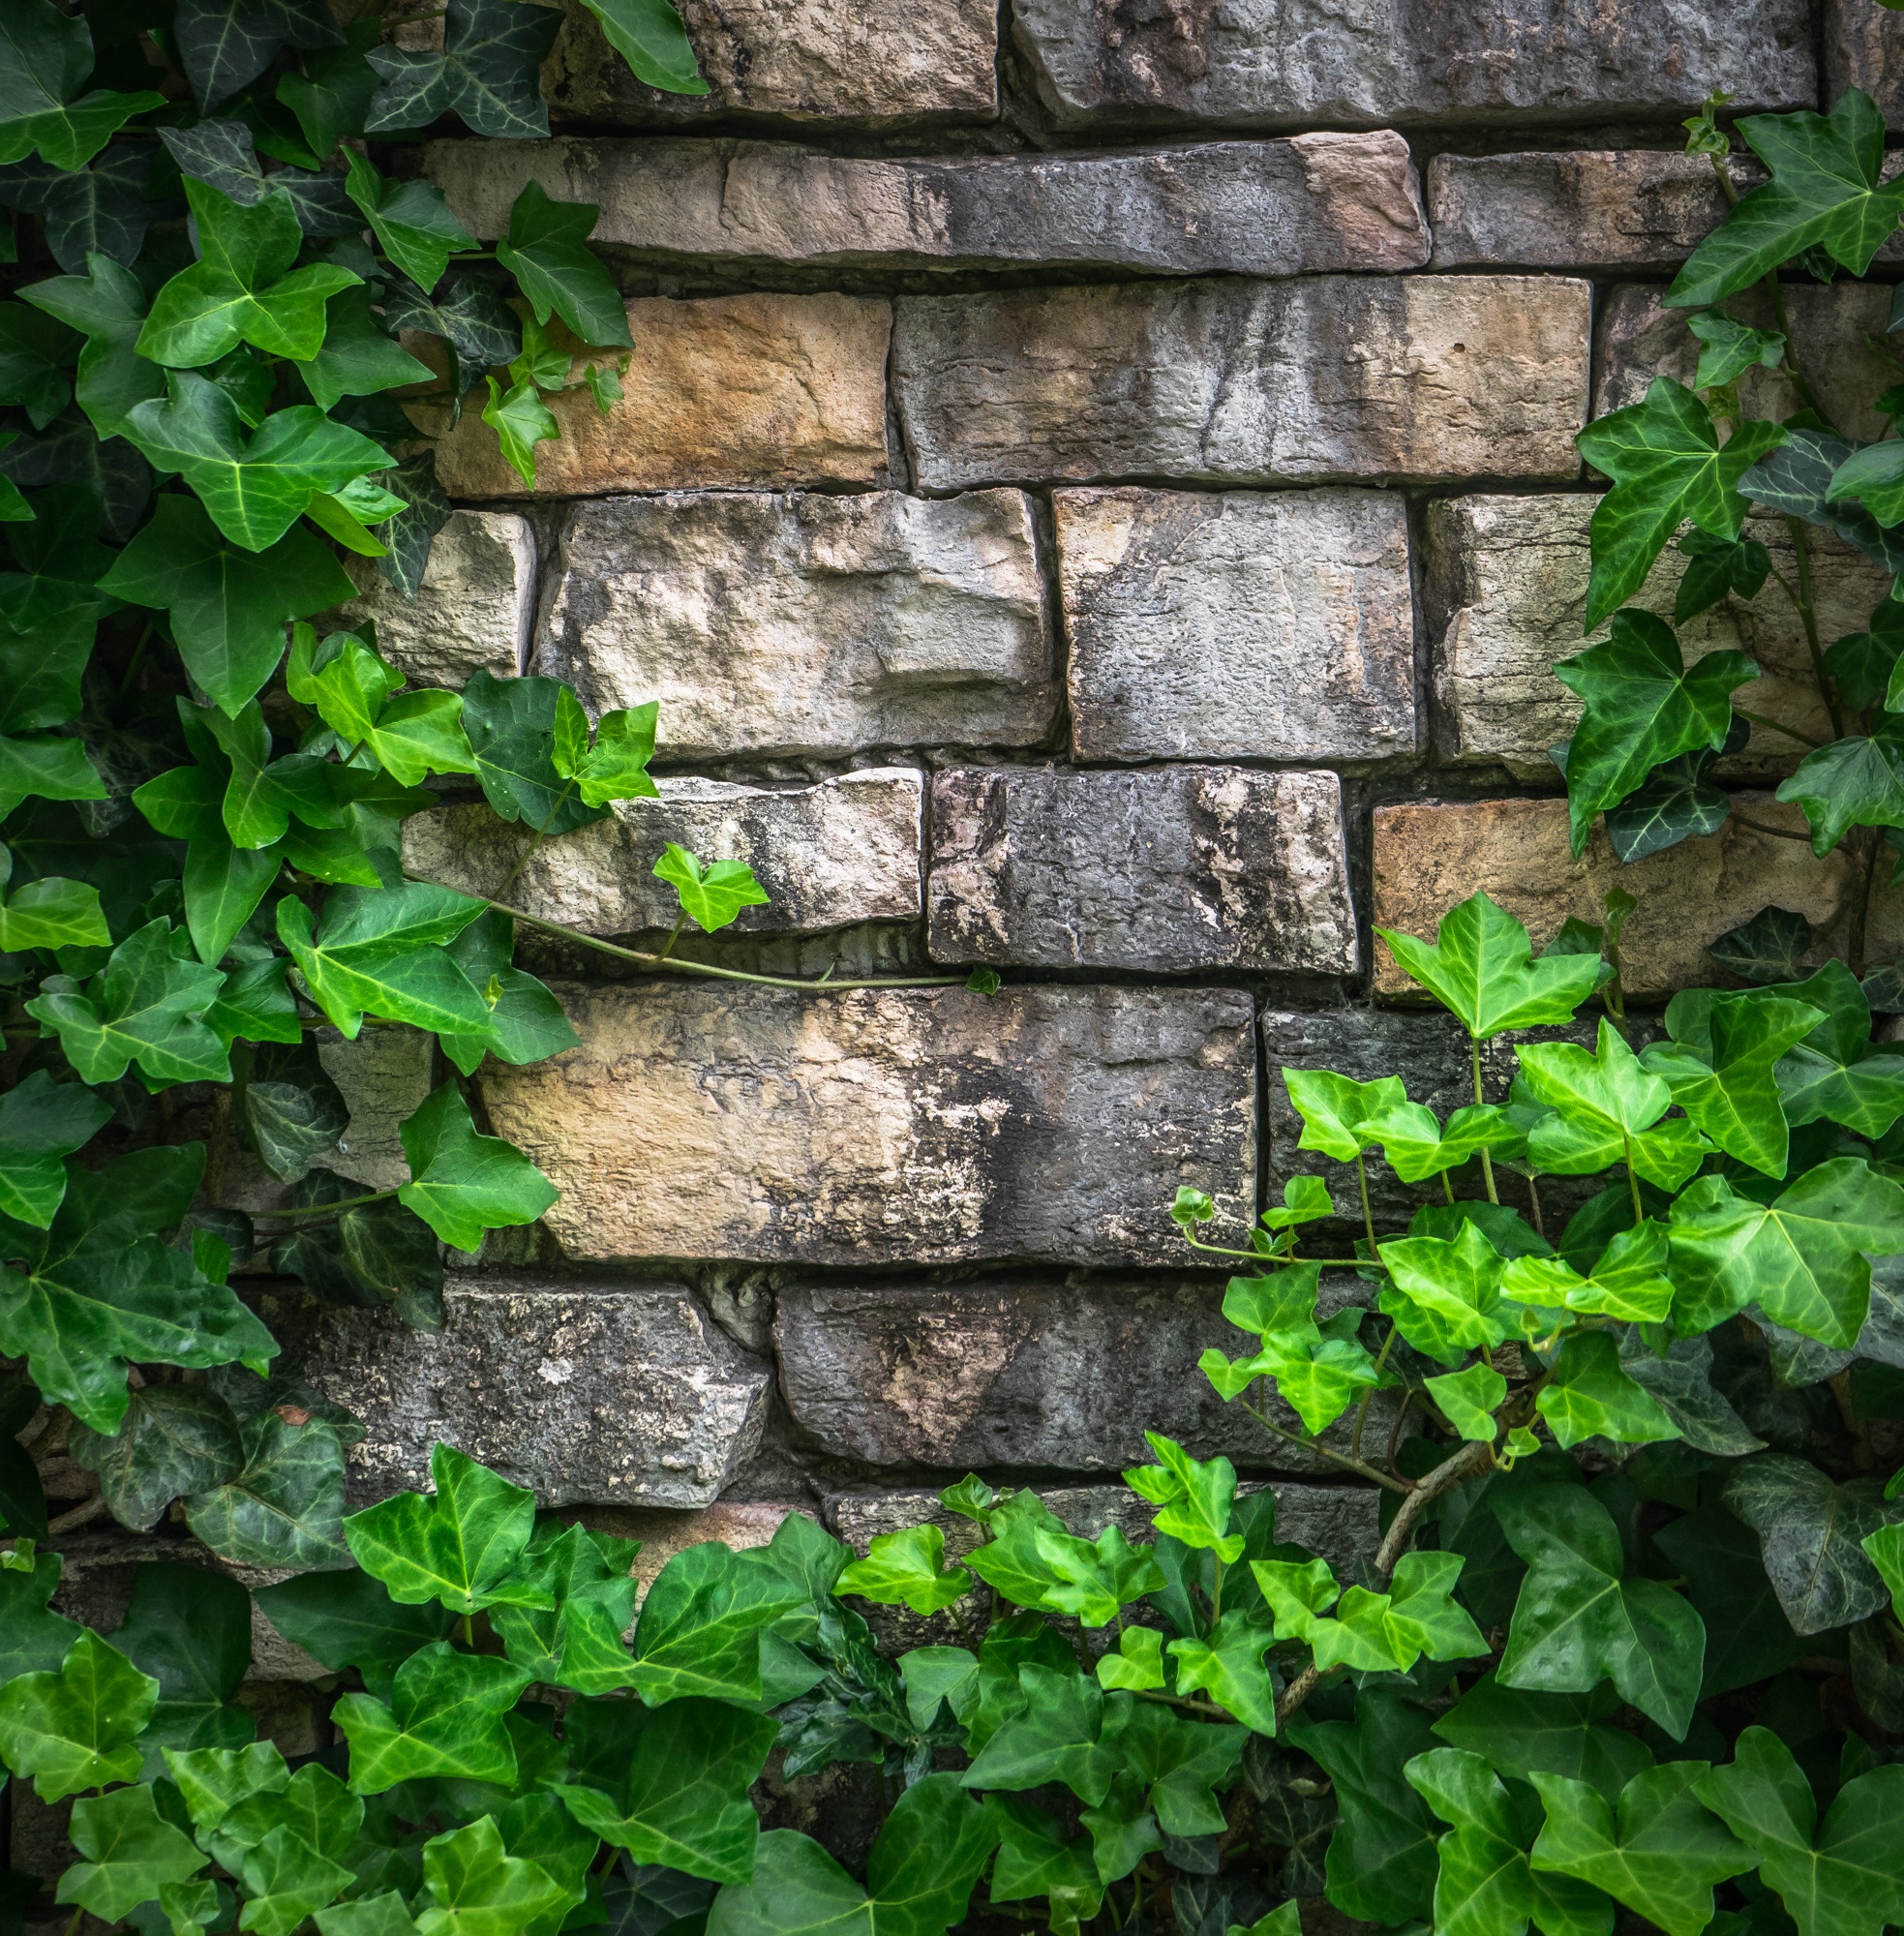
[[1777, 726], [1773, 833], [1341, 1459], [1486, 1163], [1368, 1397], [80, 1516]]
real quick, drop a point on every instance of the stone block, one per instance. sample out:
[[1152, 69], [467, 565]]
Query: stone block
[[473, 612], [1585, 209], [845, 850], [804, 623], [383, 1077], [1170, 867], [1429, 856], [1022, 1375], [1237, 624], [1864, 47], [768, 391], [1639, 339], [611, 1393], [737, 1524], [1506, 592], [1246, 382], [887, 1126], [1268, 208], [867, 61], [1282, 63]]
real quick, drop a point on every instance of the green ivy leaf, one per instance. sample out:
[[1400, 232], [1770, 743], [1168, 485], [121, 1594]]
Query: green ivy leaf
[[73, 1729], [700, 1624], [1468, 1400], [1731, 349], [473, 1889], [1667, 466], [649, 34], [546, 250], [1418, 1146], [411, 220], [192, 1631], [1852, 782], [1810, 1534], [285, 1880], [712, 893], [145, 1006], [358, 695], [42, 1121], [1643, 707], [1227, 1665], [1628, 1283], [1523, 1734], [907, 1568], [285, 1507], [463, 1184], [1835, 1074], [129, 1849], [47, 58], [52, 914], [1719, 1068], [32, 1639], [348, 1619], [486, 74], [213, 1781], [383, 952], [444, 1720], [1842, 1878], [1056, 1736], [174, 1440], [1195, 1497], [1606, 1110], [520, 420], [359, 357], [1443, 1293], [1827, 192], [616, 767], [1591, 1397], [1338, 1112], [1578, 1622], [513, 728], [1481, 966]]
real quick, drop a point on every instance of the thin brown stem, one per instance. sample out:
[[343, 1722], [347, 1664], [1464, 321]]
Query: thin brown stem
[[1773, 833], [1777, 726], [1328, 1452], [80, 1516]]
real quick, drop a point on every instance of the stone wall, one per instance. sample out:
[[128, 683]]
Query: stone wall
[[1095, 495]]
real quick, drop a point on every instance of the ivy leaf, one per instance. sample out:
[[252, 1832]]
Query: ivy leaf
[[1872, 477], [1628, 1283], [546, 250], [47, 58], [1852, 782], [228, 606], [1843, 1878], [1591, 1397], [1606, 1110], [463, 1184], [471, 318], [332, 95], [1481, 966], [131, 1853], [1523, 1734], [145, 1006], [907, 1568], [222, 46], [32, 1639], [359, 357], [1826, 192], [1810, 1534], [52, 914], [383, 952], [1194, 1496], [1468, 1401], [1677, 802], [238, 291], [285, 1507], [1680, 1379], [1643, 707], [1835, 1072], [487, 72], [615, 765], [1578, 1622], [513, 727], [712, 893], [1667, 466], [73, 1729], [42, 1121], [411, 220], [358, 695], [348, 1619], [1227, 1665], [1729, 348], [192, 1631], [1801, 1258], [1338, 1112], [174, 1440], [1661, 1856], [670, 1785], [108, 307], [648, 34], [213, 1781], [1797, 479], [1417, 1146], [1443, 1293], [1719, 1068], [473, 1889], [1769, 948], [520, 420], [286, 1879], [444, 1720], [700, 1624]]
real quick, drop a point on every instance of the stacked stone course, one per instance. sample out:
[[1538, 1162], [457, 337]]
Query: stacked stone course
[[1096, 500]]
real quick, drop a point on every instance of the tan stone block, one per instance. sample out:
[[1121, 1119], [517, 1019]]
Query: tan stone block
[[1506, 592], [1245, 381], [1429, 856], [726, 391], [922, 1126], [805, 60], [738, 1524]]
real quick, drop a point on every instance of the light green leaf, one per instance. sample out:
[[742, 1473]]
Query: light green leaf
[[1481, 966], [1443, 1293], [1056, 1736], [712, 893], [472, 1889], [131, 1853], [1628, 1283], [907, 1568], [382, 952], [520, 420], [1194, 1496], [462, 1183], [1469, 1400], [52, 914], [285, 1880], [546, 250], [1720, 1070], [444, 1720], [1607, 1112], [1338, 1112], [1591, 1396], [1136, 1662], [73, 1728], [146, 1007], [616, 767], [702, 1622]]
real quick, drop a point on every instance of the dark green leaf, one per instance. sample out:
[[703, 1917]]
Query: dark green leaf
[[546, 250], [648, 34], [284, 1508], [145, 1006], [1747, 1636], [1796, 477], [486, 74], [130, 1852], [1811, 1532], [223, 45], [511, 724], [191, 1629], [348, 1619], [174, 1440], [359, 358], [42, 1121], [1521, 1733], [412, 222]]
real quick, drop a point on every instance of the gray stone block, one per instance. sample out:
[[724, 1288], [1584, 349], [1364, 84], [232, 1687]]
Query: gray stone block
[[867, 61], [584, 1392], [845, 850], [1173, 867], [1282, 63], [1024, 1375], [1244, 381], [788, 625], [472, 612], [1864, 48], [887, 1126], [1237, 624], [1270, 208]]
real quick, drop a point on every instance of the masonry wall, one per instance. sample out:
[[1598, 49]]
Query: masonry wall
[[1095, 495]]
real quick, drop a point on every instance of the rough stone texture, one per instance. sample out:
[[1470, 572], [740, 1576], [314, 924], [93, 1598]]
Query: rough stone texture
[[846, 850], [868, 1127], [1274, 63], [737, 391], [383, 1076], [804, 60], [472, 612], [618, 1393], [1270, 208], [1021, 1375], [1246, 382], [1639, 339], [1505, 594], [806, 624], [1583, 209], [1175, 867], [1429, 856], [1864, 47], [1237, 624]]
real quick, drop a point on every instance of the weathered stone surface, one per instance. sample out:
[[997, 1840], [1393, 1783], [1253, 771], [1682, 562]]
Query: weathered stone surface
[[1581, 209], [474, 610], [804, 60], [1639, 339], [737, 391], [585, 1392], [805, 623], [1173, 867], [1506, 592], [896, 1124], [1277, 63], [1270, 208], [1004, 1376], [1237, 624], [1246, 382], [1428, 856], [845, 850], [1864, 47]]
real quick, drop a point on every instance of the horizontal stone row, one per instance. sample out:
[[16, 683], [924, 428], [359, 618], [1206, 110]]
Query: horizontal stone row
[[1250, 65]]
